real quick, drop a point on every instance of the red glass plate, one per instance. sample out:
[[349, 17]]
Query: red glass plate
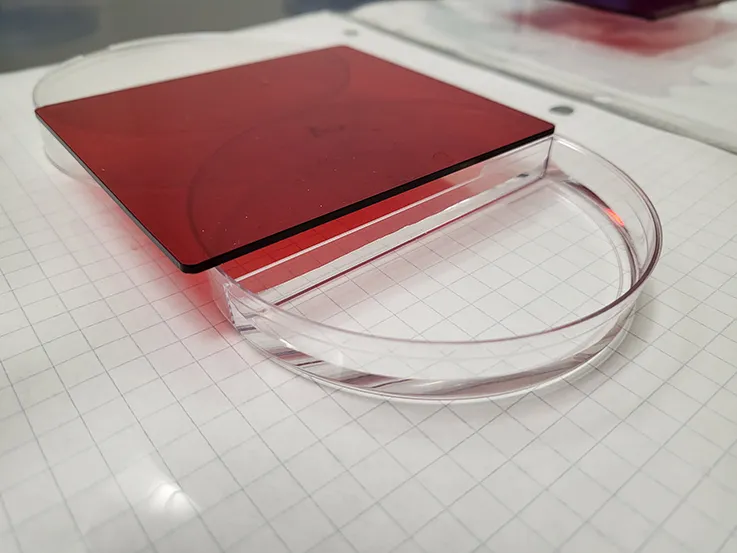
[[223, 164]]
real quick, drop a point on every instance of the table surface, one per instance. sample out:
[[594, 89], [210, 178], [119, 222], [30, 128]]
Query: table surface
[[134, 419]]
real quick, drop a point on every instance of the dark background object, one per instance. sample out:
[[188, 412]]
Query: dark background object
[[39, 32], [648, 9]]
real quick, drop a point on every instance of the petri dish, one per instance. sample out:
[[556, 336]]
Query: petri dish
[[517, 272], [516, 292]]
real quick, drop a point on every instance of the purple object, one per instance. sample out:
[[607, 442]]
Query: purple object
[[648, 9]]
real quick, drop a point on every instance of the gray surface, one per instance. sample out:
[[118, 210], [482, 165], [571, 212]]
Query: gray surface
[[38, 32]]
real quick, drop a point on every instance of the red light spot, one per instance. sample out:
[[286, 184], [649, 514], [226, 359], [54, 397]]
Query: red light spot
[[616, 219]]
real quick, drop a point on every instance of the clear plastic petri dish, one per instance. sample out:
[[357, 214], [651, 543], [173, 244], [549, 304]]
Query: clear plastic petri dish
[[511, 275], [528, 280]]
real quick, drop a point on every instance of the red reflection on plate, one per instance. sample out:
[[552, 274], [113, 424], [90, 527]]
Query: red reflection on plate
[[344, 242], [616, 219]]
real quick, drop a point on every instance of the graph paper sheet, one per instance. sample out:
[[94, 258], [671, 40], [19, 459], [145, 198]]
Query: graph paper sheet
[[133, 419]]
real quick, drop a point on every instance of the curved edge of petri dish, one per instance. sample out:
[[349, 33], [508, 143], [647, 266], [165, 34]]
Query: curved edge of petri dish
[[517, 364]]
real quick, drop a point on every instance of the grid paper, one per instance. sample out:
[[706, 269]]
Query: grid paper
[[134, 419]]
